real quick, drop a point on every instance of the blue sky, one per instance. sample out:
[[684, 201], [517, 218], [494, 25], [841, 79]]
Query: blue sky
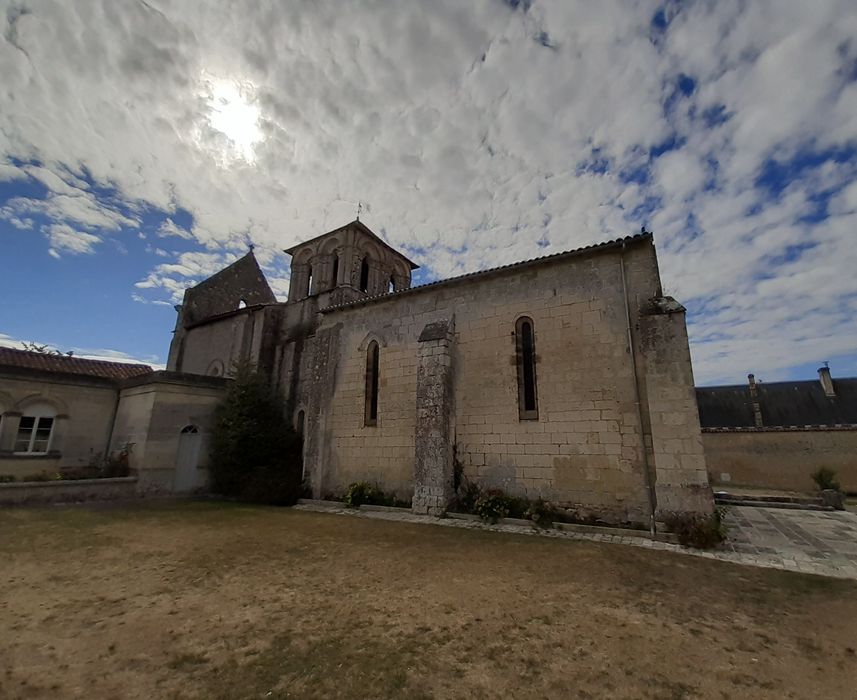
[[143, 145]]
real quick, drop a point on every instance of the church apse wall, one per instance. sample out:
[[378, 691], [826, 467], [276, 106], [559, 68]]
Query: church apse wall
[[577, 438]]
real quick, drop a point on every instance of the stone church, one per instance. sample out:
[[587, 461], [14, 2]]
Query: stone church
[[566, 377]]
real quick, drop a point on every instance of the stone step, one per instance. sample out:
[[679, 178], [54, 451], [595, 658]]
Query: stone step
[[808, 500], [759, 503]]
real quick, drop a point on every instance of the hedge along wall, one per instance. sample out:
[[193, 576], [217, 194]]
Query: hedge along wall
[[38, 492], [780, 458]]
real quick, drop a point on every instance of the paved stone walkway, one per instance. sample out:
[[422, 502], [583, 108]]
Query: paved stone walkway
[[816, 542], [809, 542]]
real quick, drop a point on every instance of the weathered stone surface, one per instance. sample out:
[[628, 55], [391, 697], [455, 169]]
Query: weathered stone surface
[[435, 406], [616, 434]]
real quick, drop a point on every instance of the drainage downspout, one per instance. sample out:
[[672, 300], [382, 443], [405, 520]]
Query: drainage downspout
[[647, 474], [112, 422]]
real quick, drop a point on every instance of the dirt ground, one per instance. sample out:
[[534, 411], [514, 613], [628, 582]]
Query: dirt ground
[[213, 600]]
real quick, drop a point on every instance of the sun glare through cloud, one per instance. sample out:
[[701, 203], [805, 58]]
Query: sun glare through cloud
[[230, 127]]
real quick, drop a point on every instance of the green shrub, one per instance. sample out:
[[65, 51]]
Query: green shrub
[[360, 492], [492, 505], [697, 530], [363, 493], [7, 478], [255, 453], [542, 513], [825, 478], [465, 497]]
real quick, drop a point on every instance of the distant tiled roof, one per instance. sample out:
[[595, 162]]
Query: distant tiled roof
[[594, 248], [781, 404], [63, 364]]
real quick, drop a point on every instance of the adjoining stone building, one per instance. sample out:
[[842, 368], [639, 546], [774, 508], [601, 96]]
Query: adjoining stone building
[[60, 413], [566, 377], [775, 435]]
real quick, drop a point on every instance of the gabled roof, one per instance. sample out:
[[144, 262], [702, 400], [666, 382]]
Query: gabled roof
[[247, 261], [585, 250], [243, 280], [63, 364], [363, 228]]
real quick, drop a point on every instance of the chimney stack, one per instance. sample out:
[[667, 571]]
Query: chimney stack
[[826, 381], [754, 401]]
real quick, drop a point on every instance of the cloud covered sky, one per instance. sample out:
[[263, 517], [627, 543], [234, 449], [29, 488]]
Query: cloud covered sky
[[142, 144]]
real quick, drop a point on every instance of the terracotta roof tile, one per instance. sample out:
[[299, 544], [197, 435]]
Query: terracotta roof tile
[[63, 364]]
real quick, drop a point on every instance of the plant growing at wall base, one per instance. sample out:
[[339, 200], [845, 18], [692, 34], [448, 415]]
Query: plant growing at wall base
[[255, 453], [542, 513], [363, 493], [825, 478], [492, 505], [118, 463], [697, 530], [465, 497]]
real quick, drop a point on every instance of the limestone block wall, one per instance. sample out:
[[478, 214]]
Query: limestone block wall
[[350, 451], [780, 458], [676, 454], [585, 448], [220, 343]]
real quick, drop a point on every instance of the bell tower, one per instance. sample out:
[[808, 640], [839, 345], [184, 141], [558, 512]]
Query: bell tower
[[353, 259]]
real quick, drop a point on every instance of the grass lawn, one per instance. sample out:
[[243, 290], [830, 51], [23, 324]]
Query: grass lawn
[[213, 600]]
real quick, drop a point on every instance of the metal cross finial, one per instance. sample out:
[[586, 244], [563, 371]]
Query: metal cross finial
[[250, 245], [359, 209]]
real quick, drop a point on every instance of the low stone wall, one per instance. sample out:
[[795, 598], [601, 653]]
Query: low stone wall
[[38, 492], [780, 458]]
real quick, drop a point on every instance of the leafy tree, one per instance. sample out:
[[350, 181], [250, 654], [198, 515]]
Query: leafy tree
[[255, 453]]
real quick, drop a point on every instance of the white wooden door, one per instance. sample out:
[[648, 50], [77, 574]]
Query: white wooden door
[[187, 459]]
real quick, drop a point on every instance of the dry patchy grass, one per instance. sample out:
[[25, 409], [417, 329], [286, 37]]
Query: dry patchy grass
[[213, 600]]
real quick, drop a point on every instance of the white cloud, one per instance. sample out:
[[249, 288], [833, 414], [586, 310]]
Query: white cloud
[[65, 239], [170, 228], [473, 131], [10, 172], [188, 270]]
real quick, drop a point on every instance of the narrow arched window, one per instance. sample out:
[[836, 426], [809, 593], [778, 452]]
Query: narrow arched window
[[335, 276], [391, 286], [525, 351], [309, 280], [364, 275], [370, 416]]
